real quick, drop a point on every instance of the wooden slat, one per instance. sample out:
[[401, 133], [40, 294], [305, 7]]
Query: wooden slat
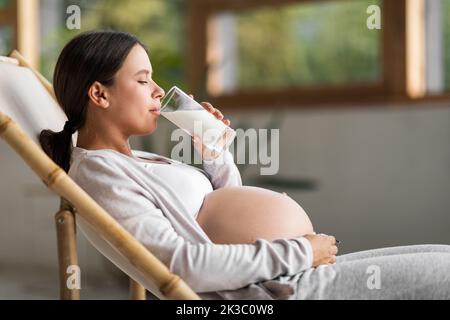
[[404, 48], [197, 27], [67, 252], [415, 48], [27, 35], [137, 291], [300, 98], [394, 50], [269, 101], [235, 5]]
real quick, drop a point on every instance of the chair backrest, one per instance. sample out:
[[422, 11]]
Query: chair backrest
[[27, 102]]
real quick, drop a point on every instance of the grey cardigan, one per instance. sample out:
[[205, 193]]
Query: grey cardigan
[[147, 207]]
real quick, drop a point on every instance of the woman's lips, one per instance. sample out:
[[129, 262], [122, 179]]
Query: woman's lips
[[155, 111]]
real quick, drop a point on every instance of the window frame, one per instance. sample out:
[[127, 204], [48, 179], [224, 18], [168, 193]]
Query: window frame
[[23, 18], [402, 65]]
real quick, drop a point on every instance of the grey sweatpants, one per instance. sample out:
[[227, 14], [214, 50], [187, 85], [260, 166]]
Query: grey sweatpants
[[408, 272]]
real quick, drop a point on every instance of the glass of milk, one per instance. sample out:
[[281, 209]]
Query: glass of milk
[[187, 114]]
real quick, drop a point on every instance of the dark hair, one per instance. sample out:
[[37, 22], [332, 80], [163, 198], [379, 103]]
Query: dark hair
[[89, 57]]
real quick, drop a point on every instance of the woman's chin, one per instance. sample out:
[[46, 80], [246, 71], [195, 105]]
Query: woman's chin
[[146, 130], [151, 130]]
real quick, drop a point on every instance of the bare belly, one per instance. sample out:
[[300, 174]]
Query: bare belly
[[244, 214]]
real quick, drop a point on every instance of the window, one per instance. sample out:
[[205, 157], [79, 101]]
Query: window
[[299, 44], [446, 29], [6, 36], [157, 23], [265, 53], [5, 40], [437, 18], [19, 29]]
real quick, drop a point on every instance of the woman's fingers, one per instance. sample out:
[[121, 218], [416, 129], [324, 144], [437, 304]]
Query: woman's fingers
[[216, 112], [332, 260], [208, 106], [206, 153], [333, 250], [332, 239]]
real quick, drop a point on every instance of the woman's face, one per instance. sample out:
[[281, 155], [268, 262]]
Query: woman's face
[[134, 96]]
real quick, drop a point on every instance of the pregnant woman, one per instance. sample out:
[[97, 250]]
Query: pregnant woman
[[226, 240]]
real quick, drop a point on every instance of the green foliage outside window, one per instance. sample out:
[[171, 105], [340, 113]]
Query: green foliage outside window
[[301, 44], [446, 27], [158, 24], [308, 44]]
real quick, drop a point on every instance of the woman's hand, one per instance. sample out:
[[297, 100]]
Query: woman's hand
[[206, 153], [324, 249], [215, 112]]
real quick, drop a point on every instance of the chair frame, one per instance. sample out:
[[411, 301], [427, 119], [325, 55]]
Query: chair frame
[[65, 222], [72, 196]]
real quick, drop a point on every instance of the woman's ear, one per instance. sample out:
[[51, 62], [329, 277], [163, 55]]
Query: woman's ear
[[98, 95]]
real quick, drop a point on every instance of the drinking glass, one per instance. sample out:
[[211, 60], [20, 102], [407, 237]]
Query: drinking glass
[[190, 116]]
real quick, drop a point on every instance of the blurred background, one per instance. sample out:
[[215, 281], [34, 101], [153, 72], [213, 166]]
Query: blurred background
[[363, 111]]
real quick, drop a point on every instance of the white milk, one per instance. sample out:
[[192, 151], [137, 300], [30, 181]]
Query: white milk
[[197, 119]]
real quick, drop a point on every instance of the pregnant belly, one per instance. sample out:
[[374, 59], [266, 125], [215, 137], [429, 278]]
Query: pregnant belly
[[244, 214]]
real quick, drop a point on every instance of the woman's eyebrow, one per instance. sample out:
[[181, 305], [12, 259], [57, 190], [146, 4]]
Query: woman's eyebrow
[[143, 71]]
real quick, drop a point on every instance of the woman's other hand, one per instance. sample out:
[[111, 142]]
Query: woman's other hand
[[215, 112], [324, 249], [206, 153]]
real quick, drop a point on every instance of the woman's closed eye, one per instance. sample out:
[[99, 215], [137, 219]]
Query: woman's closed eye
[[143, 82]]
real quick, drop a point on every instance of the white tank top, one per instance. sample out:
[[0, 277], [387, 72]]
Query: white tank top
[[190, 183]]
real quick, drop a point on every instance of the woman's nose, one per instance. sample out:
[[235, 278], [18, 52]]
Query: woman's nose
[[158, 93]]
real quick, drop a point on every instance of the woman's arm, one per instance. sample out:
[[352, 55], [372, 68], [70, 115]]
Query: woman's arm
[[223, 171], [205, 267]]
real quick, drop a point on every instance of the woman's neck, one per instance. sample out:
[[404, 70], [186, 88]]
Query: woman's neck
[[95, 140]]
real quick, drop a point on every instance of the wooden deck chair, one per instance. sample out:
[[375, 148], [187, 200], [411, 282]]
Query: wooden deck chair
[[27, 106]]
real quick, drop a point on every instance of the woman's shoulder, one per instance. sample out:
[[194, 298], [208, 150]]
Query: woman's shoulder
[[80, 155], [95, 161]]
